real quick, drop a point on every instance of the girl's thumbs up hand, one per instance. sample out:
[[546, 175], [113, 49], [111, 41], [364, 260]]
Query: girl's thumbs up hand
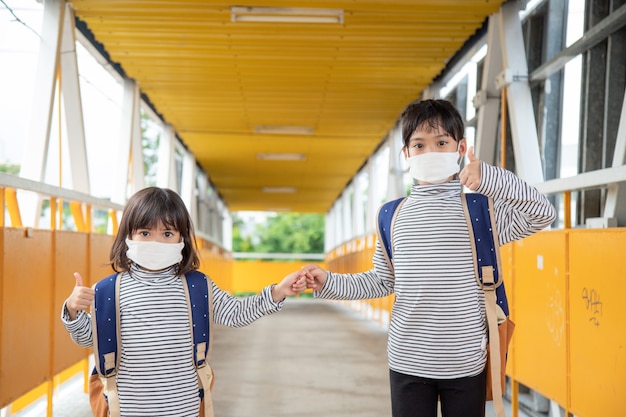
[[470, 174], [80, 298]]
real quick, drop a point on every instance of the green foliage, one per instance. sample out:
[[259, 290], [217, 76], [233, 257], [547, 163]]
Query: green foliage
[[12, 169], [292, 233], [282, 233], [240, 243]]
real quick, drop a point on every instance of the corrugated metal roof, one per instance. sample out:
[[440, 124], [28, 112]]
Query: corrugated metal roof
[[217, 81]]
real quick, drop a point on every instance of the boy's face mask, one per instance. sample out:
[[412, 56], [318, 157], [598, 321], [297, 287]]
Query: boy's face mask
[[154, 256], [434, 167]]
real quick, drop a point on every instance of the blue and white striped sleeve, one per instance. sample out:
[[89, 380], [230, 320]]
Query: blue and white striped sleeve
[[79, 328], [375, 283], [239, 312], [521, 209]]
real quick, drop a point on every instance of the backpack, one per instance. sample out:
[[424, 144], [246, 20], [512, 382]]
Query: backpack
[[107, 344], [479, 214]]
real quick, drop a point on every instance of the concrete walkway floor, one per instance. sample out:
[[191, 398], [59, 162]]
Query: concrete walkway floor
[[313, 359]]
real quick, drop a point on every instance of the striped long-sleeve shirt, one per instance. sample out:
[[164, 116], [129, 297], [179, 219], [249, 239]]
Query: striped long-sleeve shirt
[[438, 325], [156, 376]]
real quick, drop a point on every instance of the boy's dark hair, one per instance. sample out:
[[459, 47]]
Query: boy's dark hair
[[144, 210], [430, 115]]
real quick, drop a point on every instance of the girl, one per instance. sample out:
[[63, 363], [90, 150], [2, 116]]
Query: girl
[[154, 247], [437, 335]]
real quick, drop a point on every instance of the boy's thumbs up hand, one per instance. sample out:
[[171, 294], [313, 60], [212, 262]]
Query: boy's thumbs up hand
[[80, 298], [470, 174]]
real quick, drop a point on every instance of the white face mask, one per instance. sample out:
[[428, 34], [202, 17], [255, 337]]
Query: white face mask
[[434, 167], [154, 256]]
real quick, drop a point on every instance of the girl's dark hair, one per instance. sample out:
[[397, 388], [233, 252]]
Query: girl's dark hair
[[430, 115], [146, 209]]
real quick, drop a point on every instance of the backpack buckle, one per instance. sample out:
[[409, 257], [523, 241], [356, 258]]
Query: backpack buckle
[[487, 278]]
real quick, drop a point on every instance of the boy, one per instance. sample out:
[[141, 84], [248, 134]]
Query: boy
[[437, 335]]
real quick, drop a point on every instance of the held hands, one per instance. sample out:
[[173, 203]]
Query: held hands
[[292, 284], [315, 276], [470, 174], [80, 298]]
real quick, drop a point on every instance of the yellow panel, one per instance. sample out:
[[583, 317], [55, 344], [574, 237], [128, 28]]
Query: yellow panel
[[216, 264], [253, 276], [598, 333], [99, 250], [71, 255], [26, 312], [539, 311]]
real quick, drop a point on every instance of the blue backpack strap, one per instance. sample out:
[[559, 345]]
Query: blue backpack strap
[[198, 288], [386, 217], [199, 295], [105, 324], [485, 236], [106, 341]]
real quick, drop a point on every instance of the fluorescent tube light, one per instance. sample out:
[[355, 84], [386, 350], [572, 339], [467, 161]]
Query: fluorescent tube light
[[279, 190], [281, 156], [285, 14], [284, 130]]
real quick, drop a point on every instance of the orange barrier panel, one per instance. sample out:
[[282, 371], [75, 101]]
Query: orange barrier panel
[[253, 276], [538, 357], [26, 311], [99, 250], [597, 292], [216, 263], [71, 254]]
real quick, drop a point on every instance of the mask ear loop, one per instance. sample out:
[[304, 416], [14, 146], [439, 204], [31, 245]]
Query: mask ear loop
[[458, 147]]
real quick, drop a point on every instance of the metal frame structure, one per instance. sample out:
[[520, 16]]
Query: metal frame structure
[[57, 75], [534, 87]]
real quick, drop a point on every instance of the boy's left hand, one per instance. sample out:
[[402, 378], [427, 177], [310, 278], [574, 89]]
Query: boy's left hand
[[292, 284], [470, 174]]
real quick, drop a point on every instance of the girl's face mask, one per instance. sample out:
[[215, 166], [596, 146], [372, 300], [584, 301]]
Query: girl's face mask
[[154, 256], [434, 167]]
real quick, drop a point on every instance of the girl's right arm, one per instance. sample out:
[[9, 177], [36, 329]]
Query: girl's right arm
[[240, 311], [79, 328], [74, 316]]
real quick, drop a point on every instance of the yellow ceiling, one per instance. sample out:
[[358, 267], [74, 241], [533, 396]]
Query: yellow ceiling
[[215, 81]]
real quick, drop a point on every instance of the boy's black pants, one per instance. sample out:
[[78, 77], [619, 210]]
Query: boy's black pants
[[413, 396]]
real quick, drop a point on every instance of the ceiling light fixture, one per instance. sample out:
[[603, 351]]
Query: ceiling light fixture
[[285, 14], [281, 156], [279, 190], [284, 130]]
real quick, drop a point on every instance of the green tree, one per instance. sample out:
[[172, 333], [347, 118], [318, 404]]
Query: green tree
[[292, 233], [240, 243], [12, 169]]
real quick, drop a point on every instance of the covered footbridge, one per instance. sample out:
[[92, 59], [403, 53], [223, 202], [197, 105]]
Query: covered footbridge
[[275, 106]]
